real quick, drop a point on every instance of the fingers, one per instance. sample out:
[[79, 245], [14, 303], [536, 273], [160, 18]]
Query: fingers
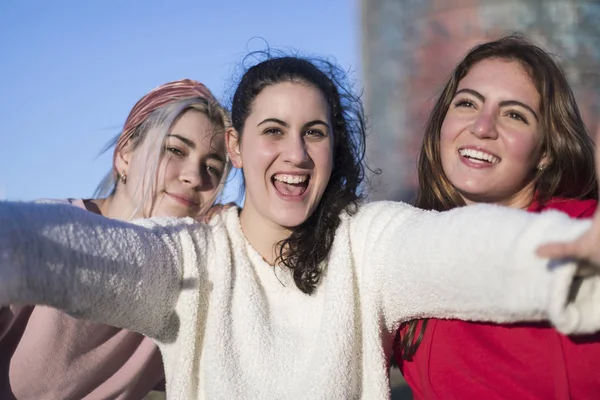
[[582, 250], [559, 250], [217, 208]]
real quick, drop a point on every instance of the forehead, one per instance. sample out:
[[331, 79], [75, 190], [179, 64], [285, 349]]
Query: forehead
[[197, 127], [500, 78], [289, 101]]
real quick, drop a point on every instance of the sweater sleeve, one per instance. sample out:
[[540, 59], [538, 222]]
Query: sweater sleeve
[[122, 274], [473, 263]]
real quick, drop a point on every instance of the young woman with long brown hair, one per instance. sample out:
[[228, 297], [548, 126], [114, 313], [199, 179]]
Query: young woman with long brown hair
[[505, 130]]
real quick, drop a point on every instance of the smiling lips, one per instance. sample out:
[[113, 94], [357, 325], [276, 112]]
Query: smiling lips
[[290, 186], [183, 200], [477, 157]]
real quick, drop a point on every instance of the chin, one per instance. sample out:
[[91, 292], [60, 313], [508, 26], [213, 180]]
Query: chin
[[174, 213], [469, 185], [292, 221]]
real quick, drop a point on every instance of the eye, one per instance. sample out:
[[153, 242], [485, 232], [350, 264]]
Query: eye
[[464, 103], [214, 171], [315, 132], [174, 150], [273, 131], [517, 116]]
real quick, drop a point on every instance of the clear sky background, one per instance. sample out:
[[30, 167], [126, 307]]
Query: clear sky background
[[70, 71]]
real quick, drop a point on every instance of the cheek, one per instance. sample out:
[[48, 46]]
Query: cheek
[[166, 168], [322, 155], [136, 166], [136, 176], [522, 148], [448, 137], [450, 130], [257, 155], [208, 197]]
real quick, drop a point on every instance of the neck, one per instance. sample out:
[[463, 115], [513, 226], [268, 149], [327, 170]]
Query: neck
[[263, 236], [114, 207]]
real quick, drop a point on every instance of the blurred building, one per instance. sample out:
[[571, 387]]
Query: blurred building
[[411, 46]]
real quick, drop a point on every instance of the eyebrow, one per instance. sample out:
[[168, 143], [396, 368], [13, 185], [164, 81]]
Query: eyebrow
[[316, 122], [192, 145], [217, 157], [502, 103], [185, 140], [285, 124], [275, 120]]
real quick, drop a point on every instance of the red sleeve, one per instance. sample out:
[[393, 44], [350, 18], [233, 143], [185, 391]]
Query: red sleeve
[[573, 207]]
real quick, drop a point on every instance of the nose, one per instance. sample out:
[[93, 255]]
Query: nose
[[484, 126], [294, 151], [190, 175]]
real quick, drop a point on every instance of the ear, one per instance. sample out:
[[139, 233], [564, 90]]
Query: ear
[[232, 140], [123, 160]]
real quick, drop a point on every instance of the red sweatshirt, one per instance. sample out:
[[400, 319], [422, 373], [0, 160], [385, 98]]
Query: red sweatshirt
[[469, 360]]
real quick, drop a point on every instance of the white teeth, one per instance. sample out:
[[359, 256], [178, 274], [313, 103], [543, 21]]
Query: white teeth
[[291, 178], [479, 155]]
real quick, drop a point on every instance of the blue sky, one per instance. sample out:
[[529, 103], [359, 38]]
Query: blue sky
[[72, 70]]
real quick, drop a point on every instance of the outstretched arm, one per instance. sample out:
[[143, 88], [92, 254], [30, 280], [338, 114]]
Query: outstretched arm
[[476, 263], [122, 274], [585, 248]]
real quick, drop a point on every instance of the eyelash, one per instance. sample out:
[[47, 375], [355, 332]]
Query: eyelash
[[273, 131], [215, 171], [512, 114], [517, 116], [315, 132], [174, 150], [309, 132], [464, 103]]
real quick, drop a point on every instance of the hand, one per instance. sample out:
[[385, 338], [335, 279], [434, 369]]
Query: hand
[[586, 249], [217, 208]]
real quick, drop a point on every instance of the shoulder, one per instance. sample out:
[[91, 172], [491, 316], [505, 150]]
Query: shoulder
[[371, 219], [56, 201], [383, 210], [377, 208], [224, 220], [228, 223], [164, 222], [73, 202], [228, 216], [573, 207], [218, 228]]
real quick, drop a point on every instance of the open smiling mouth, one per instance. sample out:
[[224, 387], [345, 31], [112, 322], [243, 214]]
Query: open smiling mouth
[[291, 185], [478, 156]]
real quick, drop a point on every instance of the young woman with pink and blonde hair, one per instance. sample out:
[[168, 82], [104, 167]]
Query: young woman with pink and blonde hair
[[169, 160]]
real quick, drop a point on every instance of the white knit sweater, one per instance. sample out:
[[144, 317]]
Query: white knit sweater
[[231, 326]]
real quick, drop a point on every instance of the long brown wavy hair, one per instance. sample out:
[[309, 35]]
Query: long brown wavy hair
[[570, 150]]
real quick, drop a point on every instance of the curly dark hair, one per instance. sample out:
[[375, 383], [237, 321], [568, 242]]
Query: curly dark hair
[[309, 243]]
